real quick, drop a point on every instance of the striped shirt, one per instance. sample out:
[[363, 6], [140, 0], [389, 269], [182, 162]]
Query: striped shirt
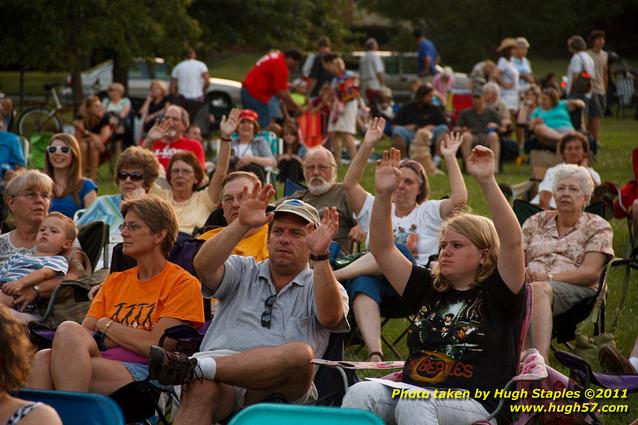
[[20, 265]]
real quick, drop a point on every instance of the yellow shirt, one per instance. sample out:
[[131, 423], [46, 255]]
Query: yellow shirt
[[254, 245]]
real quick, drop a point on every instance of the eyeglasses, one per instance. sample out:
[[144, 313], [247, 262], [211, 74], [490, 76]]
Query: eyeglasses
[[134, 176], [266, 316], [184, 172], [31, 195], [131, 227], [54, 149], [229, 199]]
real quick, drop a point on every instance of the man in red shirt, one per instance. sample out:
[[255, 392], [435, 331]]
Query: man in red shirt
[[166, 138], [268, 78]]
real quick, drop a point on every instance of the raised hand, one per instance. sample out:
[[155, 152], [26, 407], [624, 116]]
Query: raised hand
[[318, 240], [387, 176], [451, 143], [252, 212], [227, 126], [480, 163], [159, 130], [375, 131]]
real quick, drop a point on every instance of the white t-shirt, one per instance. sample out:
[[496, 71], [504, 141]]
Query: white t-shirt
[[524, 67], [370, 65], [576, 64], [418, 231], [547, 185], [189, 74], [509, 75]]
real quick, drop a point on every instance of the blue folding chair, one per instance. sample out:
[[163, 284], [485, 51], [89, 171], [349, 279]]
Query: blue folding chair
[[78, 408], [286, 414]]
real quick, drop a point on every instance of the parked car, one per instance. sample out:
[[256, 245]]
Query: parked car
[[400, 70], [222, 94]]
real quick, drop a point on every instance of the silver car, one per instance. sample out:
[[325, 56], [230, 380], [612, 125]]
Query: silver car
[[222, 94], [400, 70]]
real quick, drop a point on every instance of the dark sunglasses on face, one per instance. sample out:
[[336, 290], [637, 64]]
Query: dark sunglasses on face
[[266, 316], [54, 149], [134, 176]]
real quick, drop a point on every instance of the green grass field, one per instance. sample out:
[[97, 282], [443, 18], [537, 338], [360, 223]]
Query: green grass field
[[613, 162]]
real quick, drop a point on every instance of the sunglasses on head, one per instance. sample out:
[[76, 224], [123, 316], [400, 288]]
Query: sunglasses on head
[[54, 149], [134, 176]]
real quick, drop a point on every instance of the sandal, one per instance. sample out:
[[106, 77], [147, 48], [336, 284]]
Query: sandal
[[376, 353]]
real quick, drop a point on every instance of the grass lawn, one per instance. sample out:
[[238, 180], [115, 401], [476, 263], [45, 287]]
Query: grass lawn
[[613, 163]]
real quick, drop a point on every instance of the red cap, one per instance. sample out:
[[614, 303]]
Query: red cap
[[249, 114]]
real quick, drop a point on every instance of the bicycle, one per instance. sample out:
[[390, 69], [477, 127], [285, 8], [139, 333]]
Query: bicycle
[[42, 119]]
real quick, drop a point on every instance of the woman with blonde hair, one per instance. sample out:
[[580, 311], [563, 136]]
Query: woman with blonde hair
[[93, 130], [15, 363], [155, 104], [63, 164], [469, 309]]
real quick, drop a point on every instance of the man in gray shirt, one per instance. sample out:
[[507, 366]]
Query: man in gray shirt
[[273, 316]]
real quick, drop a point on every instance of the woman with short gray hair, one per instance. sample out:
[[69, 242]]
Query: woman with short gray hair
[[565, 252], [492, 93]]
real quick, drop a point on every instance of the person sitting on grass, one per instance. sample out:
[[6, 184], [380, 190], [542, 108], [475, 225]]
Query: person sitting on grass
[[469, 308], [416, 222], [22, 271]]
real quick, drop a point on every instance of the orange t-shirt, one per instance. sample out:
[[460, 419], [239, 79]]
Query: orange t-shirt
[[127, 300], [255, 245]]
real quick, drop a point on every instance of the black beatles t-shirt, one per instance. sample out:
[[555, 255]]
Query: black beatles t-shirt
[[463, 339]]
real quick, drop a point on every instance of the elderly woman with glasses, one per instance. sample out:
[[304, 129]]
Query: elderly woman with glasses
[[135, 172], [28, 197], [63, 164], [128, 315], [185, 175], [565, 252], [416, 222]]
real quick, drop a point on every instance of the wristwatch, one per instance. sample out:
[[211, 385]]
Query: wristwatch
[[36, 288], [321, 257]]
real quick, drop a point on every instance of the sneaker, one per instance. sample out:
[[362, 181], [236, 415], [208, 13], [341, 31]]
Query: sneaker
[[612, 361], [171, 368]]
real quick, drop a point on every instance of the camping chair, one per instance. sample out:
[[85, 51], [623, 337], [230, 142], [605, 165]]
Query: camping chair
[[94, 240], [78, 408], [291, 187], [282, 414], [625, 93], [532, 367], [566, 325]]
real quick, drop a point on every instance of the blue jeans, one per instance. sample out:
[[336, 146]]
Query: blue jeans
[[438, 132], [261, 108], [404, 133], [376, 287]]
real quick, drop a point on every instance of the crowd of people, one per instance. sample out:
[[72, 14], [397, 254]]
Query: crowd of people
[[269, 263]]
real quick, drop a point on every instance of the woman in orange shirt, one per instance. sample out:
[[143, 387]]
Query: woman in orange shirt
[[129, 313]]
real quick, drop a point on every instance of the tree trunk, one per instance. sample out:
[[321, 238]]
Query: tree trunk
[[120, 71], [21, 90], [76, 80]]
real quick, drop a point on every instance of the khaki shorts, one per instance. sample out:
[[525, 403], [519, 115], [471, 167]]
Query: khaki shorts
[[240, 392], [567, 295]]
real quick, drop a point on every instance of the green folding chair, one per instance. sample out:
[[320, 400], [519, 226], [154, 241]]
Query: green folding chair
[[287, 414]]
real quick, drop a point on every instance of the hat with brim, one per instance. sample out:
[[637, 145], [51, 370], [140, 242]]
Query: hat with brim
[[299, 208], [506, 43]]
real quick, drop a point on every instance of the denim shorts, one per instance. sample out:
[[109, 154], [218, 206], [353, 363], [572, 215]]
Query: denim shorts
[[138, 371]]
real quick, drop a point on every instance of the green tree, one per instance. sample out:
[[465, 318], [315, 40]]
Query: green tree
[[266, 24]]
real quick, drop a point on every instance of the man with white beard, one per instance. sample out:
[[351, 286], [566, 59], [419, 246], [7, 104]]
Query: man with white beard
[[166, 138], [320, 173]]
